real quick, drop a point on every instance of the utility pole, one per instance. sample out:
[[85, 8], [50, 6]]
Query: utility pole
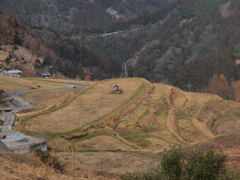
[[189, 86], [125, 68]]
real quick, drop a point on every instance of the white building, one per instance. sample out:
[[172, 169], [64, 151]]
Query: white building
[[13, 73]]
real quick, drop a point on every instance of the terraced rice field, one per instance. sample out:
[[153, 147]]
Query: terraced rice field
[[105, 132], [145, 117], [89, 107]]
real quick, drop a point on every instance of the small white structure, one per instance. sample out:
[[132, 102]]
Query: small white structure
[[12, 73], [45, 75]]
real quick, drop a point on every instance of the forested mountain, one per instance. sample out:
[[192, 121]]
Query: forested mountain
[[190, 44], [186, 44], [79, 15], [38, 49]]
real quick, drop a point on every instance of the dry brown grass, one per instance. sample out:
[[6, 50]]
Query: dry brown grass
[[131, 124], [159, 129], [159, 91], [3, 56], [141, 97], [210, 113], [59, 143], [179, 100], [229, 127], [166, 109], [158, 144], [171, 125], [177, 118], [46, 95], [110, 162], [72, 81], [45, 107], [26, 166], [9, 84], [87, 107], [53, 82], [188, 132], [145, 122], [169, 94], [201, 98], [102, 143]]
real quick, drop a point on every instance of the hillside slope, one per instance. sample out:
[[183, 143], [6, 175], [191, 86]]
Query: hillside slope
[[186, 41], [73, 15], [42, 50], [143, 117], [96, 134]]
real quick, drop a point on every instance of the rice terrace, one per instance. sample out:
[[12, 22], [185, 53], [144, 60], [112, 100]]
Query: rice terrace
[[101, 135]]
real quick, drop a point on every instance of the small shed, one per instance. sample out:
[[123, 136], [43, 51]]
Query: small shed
[[14, 73], [45, 75]]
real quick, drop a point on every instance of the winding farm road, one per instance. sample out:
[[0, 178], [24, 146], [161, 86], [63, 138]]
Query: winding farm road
[[16, 103]]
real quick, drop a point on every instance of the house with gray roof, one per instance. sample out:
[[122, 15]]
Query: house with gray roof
[[13, 73]]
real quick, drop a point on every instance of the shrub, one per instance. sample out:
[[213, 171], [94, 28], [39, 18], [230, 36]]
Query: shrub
[[7, 60], [205, 166], [171, 165], [197, 165]]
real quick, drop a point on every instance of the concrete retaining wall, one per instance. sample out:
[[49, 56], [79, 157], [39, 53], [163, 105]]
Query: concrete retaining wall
[[42, 146]]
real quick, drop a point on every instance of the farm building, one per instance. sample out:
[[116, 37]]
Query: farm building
[[45, 75], [13, 73]]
